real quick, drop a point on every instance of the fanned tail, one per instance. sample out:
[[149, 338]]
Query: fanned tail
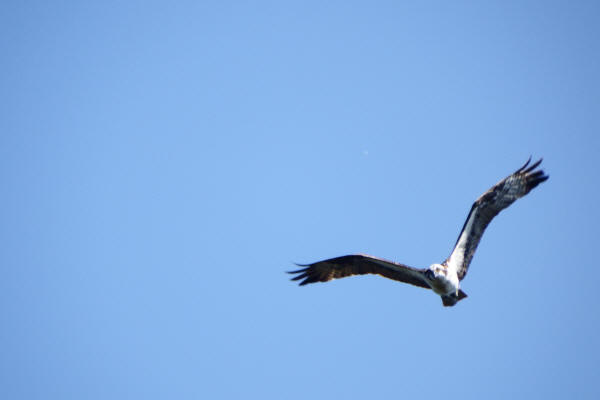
[[451, 300]]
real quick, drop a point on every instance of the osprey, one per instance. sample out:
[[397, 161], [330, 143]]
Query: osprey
[[444, 279]]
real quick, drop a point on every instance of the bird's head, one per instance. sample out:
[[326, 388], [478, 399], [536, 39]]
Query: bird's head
[[435, 270]]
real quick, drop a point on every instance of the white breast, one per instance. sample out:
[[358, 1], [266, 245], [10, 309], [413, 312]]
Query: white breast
[[445, 281]]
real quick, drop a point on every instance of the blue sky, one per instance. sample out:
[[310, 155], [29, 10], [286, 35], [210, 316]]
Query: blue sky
[[163, 164]]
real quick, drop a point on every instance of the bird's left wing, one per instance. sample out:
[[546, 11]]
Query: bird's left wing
[[486, 207], [358, 264]]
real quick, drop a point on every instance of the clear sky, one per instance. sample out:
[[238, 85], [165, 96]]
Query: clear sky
[[163, 163]]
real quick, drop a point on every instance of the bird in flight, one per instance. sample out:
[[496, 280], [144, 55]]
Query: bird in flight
[[444, 279]]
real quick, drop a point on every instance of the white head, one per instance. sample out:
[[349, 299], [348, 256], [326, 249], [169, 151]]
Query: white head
[[443, 280], [438, 270]]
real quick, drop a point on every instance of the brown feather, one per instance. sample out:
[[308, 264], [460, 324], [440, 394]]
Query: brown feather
[[358, 264], [487, 206]]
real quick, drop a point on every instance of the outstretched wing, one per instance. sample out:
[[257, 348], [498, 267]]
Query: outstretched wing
[[358, 264], [486, 207]]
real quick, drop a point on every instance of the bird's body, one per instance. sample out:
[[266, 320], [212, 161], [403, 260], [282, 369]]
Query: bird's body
[[444, 279]]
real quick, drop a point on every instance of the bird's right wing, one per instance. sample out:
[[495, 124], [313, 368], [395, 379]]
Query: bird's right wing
[[486, 207], [358, 264]]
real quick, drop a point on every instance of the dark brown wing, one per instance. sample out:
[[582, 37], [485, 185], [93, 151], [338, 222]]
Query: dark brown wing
[[486, 207], [358, 264]]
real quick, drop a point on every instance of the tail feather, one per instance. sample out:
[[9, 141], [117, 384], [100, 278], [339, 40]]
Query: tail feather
[[452, 299]]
